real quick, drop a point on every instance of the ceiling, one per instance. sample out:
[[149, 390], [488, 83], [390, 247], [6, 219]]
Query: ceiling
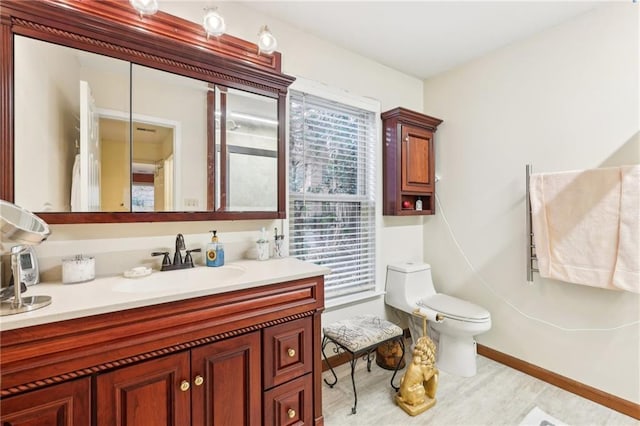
[[422, 38]]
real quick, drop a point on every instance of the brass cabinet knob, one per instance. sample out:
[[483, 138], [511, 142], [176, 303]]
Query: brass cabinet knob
[[291, 413], [291, 352], [184, 386], [199, 380]]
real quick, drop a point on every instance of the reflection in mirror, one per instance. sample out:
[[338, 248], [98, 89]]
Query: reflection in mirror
[[59, 92], [169, 141], [100, 134], [151, 144], [247, 140]]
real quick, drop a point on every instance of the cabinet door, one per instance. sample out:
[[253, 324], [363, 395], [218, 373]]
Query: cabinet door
[[154, 392], [227, 387], [65, 404], [417, 161]]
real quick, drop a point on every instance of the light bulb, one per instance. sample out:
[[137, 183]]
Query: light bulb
[[145, 7], [267, 43], [213, 23]]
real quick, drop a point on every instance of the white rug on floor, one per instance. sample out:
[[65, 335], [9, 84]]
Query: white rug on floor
[[537, 417]]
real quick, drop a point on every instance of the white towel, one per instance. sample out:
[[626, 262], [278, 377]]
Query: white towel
[[578, 219], [626, 274], [75, 185]]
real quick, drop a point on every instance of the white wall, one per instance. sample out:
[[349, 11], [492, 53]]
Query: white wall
[[304, 56], [564, 99]]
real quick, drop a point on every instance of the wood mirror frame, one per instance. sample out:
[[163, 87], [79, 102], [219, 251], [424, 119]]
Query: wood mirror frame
[[161, 41]]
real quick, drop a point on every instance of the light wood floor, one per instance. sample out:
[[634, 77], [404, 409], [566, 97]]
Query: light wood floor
[[497, 395]]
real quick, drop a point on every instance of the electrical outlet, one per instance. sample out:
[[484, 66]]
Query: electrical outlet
[[190, 202]]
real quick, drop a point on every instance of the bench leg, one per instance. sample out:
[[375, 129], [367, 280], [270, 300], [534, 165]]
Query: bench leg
[[325, 341], [353, 361], [370, 357], [401, 341]]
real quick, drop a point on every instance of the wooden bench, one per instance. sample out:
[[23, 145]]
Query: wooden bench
[[360, 336]]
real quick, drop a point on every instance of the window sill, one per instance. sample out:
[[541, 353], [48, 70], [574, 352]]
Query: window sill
[[340, 302]]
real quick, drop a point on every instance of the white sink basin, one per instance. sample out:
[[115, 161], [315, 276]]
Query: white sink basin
[[187, 279]]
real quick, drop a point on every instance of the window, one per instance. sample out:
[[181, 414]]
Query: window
[[142, 197], [332, 191]]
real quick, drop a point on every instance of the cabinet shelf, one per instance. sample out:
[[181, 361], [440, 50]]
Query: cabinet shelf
[[408, 162]]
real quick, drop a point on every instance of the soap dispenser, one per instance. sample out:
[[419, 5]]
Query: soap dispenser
[[215, 251]]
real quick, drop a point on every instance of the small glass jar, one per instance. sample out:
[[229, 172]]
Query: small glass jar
[[262, 248]]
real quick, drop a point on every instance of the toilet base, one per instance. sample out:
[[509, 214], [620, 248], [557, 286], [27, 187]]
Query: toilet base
[[457, 355]]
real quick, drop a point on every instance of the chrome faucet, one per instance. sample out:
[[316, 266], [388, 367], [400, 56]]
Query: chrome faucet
[[178, 262]]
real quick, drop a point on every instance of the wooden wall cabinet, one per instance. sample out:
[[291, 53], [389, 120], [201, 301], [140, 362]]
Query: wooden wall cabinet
[[169, 47], [246, 357], [408, 162]]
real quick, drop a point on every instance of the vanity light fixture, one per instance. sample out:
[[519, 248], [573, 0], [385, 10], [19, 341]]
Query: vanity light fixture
[[267, 43], [145, 7], [213, 23]]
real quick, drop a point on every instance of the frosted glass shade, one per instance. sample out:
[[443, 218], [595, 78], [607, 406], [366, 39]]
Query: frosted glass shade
[[145, 7], [213, 23], [267, 43]]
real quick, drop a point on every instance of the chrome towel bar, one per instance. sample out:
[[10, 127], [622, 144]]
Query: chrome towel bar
[[530, 244]]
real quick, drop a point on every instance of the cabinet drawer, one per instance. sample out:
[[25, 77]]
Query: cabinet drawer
[[287, 351], [290, 404]]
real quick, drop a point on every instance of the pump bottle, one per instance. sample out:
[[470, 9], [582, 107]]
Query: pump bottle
[[215, 251]]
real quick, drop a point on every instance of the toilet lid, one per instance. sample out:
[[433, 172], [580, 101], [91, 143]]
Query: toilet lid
[[455, 308]]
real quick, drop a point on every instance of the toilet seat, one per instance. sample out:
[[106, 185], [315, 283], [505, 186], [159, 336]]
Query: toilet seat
[[454, 308]]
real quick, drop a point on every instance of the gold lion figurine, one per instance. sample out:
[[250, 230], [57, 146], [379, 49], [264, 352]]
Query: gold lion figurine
[[420, 382]]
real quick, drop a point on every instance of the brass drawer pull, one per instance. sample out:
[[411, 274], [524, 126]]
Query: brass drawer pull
[[199, 380], [291, 413], [184, 386], [291, 352]]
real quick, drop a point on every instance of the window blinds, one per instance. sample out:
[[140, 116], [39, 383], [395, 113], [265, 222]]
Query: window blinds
[[331, 191]]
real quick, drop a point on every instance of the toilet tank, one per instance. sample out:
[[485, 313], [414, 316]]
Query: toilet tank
[[406, 283]]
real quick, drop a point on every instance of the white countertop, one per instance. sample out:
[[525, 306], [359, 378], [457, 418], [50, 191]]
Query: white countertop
[[116, 293]]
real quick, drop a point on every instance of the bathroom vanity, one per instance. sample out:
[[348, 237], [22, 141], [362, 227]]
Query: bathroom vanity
[[237, 345]]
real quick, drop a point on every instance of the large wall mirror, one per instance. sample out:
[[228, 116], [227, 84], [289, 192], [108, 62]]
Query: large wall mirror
[[101, 136]]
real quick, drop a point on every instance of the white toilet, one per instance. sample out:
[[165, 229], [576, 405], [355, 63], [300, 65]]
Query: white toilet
[[409, 286]]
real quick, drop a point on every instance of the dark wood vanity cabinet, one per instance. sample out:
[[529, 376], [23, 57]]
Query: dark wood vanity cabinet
[[246, 357], [408, 162]]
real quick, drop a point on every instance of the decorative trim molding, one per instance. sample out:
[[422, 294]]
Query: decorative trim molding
[[133, 53], [145, 356], [603, 398]]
